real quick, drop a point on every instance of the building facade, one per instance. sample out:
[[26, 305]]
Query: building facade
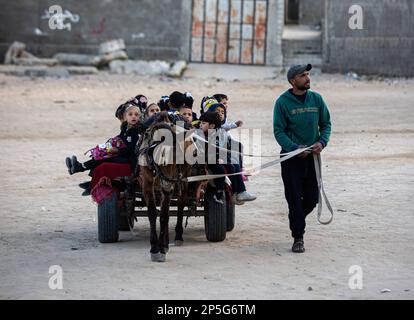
[[252, 32]]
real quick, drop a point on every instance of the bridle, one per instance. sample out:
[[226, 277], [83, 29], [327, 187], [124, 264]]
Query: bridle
[[148, 152]]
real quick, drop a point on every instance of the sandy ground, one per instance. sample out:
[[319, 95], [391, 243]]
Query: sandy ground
[[368, 174]]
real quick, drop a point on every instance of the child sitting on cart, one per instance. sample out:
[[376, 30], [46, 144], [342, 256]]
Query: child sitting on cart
[[227, 125], [119, 149], [140, 101], [210, 126]]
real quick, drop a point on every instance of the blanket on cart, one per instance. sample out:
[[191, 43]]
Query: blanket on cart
[[102, 179]]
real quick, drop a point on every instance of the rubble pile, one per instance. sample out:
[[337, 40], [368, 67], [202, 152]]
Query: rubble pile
[[112, 55]]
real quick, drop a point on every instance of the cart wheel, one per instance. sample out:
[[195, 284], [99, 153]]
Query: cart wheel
[[215, 219], [108, 214]]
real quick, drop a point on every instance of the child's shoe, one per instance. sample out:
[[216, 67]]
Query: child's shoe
[[86, 192], [69, 165], [245, 196], [85, 185], [76, 165], [237, 202]]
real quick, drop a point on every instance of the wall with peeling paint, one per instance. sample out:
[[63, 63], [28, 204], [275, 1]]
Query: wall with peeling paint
[[151, 29], [385, 45], [233, 31]]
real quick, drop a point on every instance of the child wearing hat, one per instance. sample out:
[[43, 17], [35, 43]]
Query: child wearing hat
[[210, 125], [227, 125]]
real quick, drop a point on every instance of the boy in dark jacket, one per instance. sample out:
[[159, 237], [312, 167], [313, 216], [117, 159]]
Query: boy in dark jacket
[[210, 125]]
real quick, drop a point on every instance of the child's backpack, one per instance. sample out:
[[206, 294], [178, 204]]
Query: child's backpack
[[104, 150]]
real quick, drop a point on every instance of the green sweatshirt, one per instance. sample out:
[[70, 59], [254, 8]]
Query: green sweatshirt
[[296, 123]]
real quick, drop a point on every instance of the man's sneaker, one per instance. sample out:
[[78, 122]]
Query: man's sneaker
[[298, 246], [218, 197], [85, 185], [69, 165], [237, 202], [245, 196], [76, 165]]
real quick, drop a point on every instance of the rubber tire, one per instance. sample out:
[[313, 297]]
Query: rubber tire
[[231, 215], [108, 220], [215, 219]]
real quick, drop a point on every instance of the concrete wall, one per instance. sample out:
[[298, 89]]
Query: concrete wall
[[152, 29], [275, 23], [384, 46], [311, 12]]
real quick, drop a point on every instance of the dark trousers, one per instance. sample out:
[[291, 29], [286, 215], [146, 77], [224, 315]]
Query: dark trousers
[[301, 191], [239, 148], [236, 181], [217, 169]]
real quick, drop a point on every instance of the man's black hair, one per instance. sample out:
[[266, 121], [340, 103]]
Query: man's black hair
[[211, 118]]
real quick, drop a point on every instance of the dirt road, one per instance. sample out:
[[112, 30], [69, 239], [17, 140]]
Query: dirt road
[[368, 174]]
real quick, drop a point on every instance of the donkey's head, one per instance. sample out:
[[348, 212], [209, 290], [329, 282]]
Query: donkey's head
[[169, 147]]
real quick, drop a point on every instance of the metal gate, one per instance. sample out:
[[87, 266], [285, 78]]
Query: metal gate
[[229, 31]]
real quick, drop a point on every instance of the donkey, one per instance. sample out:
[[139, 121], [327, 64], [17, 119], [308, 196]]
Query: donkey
[[168, 176]]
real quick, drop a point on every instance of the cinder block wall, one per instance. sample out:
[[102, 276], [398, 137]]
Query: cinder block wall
[[152, 29], [384, 46], [311, 12]]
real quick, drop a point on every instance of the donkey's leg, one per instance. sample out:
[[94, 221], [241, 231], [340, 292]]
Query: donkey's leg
[[164, 219], [148, 188], [182, 199]]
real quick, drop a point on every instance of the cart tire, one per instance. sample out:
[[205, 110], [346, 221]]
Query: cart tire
[[215, 219], [231, 215], [108, 219]]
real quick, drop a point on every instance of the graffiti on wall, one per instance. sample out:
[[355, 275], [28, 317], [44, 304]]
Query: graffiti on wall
[[58, 18]]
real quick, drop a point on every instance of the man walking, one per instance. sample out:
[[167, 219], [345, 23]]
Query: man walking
[[301, 118]]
